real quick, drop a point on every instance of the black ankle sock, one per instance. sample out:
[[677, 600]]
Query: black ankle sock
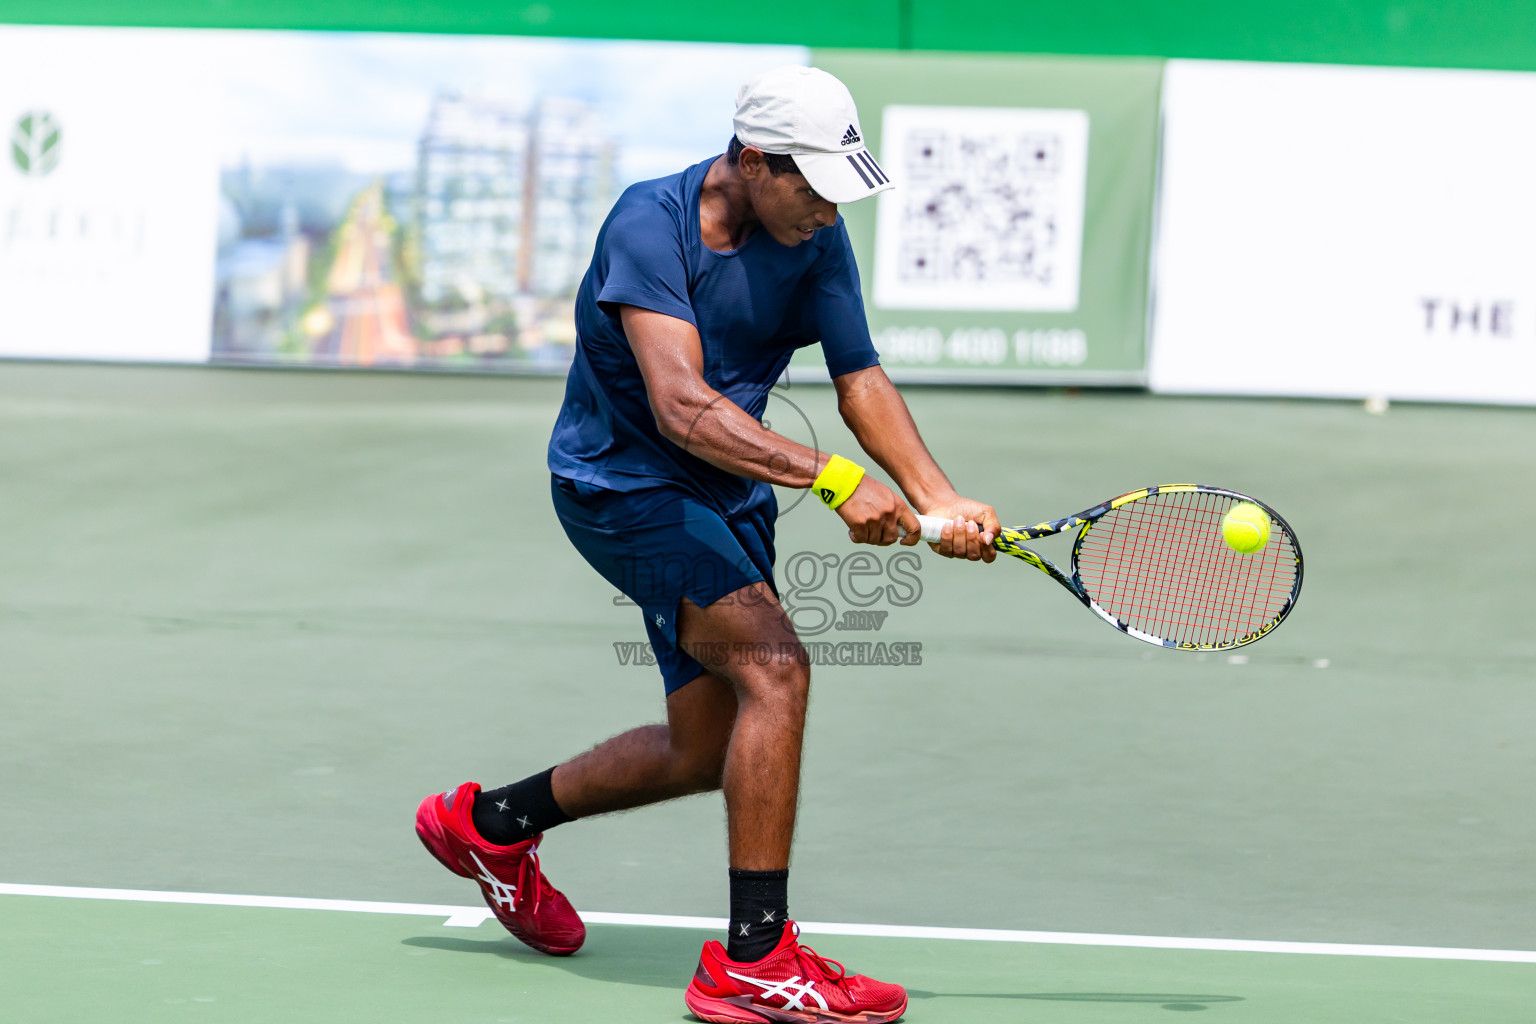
[[520, 811], [759, 908]]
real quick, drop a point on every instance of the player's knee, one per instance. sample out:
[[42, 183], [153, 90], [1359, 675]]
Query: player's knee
[[699, 767], [784, 683], [698, 760], [702, 771]]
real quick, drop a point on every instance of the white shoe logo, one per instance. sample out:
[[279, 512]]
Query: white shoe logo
[[792, 991], [500, 891]]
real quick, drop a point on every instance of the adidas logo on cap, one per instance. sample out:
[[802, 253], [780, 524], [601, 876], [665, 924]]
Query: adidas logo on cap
[[850, 136]]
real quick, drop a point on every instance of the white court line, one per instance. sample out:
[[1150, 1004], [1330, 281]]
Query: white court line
[[473, 917], [458, 917]]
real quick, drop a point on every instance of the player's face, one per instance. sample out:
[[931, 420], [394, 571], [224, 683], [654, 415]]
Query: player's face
[[786, 205]]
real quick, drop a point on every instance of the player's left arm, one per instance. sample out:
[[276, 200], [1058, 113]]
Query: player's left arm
[[878, 416]]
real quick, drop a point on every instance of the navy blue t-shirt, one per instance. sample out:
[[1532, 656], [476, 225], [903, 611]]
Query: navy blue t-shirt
[[752, 306]]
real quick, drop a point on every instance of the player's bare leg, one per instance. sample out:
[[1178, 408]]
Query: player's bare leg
[[739, 726], [492, 837], [762, 957], [762, 763], [654, 762]]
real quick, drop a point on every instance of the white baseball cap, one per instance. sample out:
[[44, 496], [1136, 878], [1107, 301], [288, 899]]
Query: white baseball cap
[[810, 115]]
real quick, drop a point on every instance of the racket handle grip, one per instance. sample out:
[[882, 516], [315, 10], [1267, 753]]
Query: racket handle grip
[[932, 527]]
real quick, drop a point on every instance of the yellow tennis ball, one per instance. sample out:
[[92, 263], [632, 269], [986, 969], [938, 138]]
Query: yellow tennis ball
[[1245, 527]]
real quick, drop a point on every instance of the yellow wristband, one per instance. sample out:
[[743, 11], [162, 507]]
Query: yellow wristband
[[837, 481]]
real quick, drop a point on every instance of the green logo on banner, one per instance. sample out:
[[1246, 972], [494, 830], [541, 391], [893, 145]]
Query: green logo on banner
[[35, 143]]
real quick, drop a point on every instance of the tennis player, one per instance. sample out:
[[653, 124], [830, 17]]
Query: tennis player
[[701, 287]]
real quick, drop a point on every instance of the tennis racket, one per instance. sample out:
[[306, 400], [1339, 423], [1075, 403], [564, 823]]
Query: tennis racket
[[1153, 564]]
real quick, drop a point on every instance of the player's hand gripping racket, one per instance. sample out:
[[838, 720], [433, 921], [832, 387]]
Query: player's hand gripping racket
[[1154, 564]]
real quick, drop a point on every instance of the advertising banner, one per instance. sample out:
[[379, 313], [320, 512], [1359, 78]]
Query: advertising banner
[[1015, 245], [390, 200], [1346, 232], [336, 199]]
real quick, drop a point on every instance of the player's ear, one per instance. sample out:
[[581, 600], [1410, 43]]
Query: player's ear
[[751, 162]]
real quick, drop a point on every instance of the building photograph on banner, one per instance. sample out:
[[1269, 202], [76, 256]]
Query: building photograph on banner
[[1014, 247], [1347, 233], [432, 201]]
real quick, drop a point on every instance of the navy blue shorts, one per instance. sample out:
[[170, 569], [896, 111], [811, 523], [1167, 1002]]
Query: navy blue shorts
[[660, 545]]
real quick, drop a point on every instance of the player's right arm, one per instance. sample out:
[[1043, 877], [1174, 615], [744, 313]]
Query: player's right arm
[[705, 423]]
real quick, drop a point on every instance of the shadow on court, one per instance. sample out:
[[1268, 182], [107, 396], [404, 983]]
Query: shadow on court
[[1168, 1000], [657, 957], [664, 958]]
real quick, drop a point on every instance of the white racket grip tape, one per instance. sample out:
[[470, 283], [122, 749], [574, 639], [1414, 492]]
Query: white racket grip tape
[[932, 527]]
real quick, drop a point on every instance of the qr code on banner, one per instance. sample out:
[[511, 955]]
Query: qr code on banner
[[987, 212]]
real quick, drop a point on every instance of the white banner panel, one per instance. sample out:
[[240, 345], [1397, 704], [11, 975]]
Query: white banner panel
[[108, 194], [1346, 232]]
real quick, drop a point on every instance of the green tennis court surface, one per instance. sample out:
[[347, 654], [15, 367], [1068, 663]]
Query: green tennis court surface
[[72, 960], [250, 619]]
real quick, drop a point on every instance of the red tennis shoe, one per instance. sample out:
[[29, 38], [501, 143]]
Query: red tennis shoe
[[791, 985], [510, 880]]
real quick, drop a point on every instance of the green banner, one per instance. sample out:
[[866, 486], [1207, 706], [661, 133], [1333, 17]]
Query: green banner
[[1016, 245]]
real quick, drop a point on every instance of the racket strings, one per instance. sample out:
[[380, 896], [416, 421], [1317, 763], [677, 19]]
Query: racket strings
[[1160, 565]]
